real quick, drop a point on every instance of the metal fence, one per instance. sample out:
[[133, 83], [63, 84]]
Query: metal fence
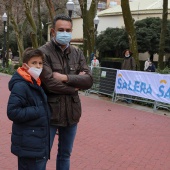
[[104, 80]]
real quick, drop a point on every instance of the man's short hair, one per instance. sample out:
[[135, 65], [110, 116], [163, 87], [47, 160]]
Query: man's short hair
[[30, 53], [61, 17]]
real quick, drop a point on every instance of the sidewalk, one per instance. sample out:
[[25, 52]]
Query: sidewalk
[[111, 136]]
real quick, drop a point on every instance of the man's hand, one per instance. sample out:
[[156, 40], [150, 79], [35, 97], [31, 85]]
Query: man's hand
[[60, 77], [82, 73]]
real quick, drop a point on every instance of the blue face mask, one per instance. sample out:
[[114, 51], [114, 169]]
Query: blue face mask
[[63, 38]]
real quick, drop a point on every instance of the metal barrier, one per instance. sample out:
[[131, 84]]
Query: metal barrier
[[104, 80], [158, 105]]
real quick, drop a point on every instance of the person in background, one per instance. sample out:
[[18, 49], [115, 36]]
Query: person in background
[[10, 54], [151, 67], [94, 62], [128, 64], [146, 65], [91, 57], [65, 71], [28, 109]]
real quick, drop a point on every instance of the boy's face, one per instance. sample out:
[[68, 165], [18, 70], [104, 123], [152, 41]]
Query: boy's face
[[36, 62]]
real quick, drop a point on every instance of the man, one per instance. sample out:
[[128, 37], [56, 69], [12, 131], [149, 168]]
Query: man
[[65, 72]]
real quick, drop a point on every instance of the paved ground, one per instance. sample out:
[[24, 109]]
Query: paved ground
[[110, 137]]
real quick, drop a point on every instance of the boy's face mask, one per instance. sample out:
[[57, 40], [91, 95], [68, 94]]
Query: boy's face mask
[[34, 72], [63, 38]]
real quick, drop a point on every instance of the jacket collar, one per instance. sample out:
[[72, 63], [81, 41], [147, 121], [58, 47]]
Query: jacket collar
[[66, 50]]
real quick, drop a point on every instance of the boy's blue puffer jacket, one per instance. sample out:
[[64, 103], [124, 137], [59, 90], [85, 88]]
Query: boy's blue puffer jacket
[[27, 108]]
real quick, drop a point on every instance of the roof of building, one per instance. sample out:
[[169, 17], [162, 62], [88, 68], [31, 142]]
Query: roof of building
[[137, 6]]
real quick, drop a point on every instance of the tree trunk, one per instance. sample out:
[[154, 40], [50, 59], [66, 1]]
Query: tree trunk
[[129, 25], [162, 35], [39, 24], [84, 15], [51, 10], [88, 27], [7, 37], [32, 24], [18, 33]]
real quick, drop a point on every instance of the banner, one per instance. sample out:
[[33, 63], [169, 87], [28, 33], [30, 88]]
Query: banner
[[148, 85]]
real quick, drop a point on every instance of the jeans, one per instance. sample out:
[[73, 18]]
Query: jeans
[[31, 164], [65, 144]]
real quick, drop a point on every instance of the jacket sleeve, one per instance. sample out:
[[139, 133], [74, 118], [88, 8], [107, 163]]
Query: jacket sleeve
[[122, 65], [81, 81], [18, 109], [51, 84], [133, 64]]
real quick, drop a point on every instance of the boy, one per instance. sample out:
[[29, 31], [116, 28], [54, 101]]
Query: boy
[[27, 108]]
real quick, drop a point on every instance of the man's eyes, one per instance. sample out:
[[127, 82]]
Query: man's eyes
[[67, 30]]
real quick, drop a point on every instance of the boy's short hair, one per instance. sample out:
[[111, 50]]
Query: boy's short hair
[[61, 17], [30, 53]]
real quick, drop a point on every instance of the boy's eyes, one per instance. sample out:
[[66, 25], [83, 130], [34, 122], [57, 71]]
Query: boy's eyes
[[38, 63]]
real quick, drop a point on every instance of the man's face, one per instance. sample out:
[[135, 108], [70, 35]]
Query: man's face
[[62, 25]]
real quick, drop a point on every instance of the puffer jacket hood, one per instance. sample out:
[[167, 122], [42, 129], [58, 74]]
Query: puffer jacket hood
[[21, 76], [15, 79]]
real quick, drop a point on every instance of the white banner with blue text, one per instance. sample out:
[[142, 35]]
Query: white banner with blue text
[[148, 85]]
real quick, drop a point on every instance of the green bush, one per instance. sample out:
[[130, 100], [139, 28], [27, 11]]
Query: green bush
[[10, 70], [16, 66], [166, 70]]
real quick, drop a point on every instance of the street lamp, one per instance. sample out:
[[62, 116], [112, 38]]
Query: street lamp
[[96, 22], [42, 25], [4, 18], [70, 7]]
